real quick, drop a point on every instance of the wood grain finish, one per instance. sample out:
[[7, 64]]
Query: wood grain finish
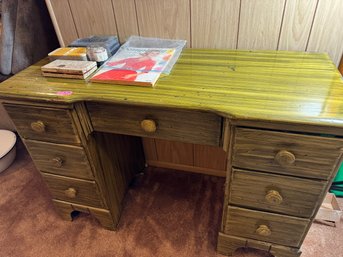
[[214, 23], [65, 160], [164, 18], [58, 126], [255, 30], [62, 19], [86, 192], [326, 33], [285, 230], [299, 197], [65, 210], [149, 149], [175, 152], [187, 168], [228, 244], [121, 158], [115, 159], [185, 156], [210, 157], [126, 18], [93, 17], [315, 157], [179, 125], [268, 86], [297, 24], [260, 87]]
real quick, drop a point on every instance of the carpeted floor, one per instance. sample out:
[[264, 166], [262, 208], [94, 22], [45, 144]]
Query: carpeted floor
[[167, 213]]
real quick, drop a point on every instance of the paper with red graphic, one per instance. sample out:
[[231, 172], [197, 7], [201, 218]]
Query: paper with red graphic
[[134, 66]]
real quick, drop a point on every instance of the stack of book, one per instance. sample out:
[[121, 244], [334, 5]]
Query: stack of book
[[69, 69]]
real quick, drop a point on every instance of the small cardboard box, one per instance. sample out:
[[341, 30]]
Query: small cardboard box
[[329, 211]]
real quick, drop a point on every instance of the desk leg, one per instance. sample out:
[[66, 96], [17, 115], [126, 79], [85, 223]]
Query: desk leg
[[116, 160], [67, 212]]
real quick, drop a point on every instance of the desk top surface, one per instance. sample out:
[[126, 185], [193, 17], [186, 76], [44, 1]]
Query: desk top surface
[[276, 86]]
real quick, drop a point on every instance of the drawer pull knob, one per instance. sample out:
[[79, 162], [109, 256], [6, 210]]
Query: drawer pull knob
[[263, 230], [70, 192], [285, 158], [38, 126], [274, 197], [57, 162], [148, 126]]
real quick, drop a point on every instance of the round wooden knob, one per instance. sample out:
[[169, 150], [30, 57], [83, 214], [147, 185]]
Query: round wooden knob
[[273, 197], [38, 126], [148, 126], [57, 162], [285, 158], [70, 192], [263, 230]]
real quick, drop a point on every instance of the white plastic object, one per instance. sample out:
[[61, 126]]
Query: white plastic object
[[7, 148]]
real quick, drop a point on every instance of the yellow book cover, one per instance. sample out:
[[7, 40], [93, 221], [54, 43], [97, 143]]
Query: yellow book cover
[[69, 53]]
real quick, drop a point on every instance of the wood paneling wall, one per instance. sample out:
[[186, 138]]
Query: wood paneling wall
[[260, 23], [299, 25]]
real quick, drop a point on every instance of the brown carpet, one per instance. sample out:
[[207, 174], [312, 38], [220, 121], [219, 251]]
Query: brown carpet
[[167, 213]]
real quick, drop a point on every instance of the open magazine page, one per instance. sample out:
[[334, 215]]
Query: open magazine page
[[134, 66]]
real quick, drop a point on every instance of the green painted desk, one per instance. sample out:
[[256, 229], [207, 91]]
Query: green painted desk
[[279, 116]]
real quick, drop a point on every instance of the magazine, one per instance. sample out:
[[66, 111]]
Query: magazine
[[134, 66]]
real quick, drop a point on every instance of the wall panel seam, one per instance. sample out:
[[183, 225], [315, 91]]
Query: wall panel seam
[[310, 34], [115, 18], [136, 12], [72, 16], [239, 22], [190, 24], [281, 26]]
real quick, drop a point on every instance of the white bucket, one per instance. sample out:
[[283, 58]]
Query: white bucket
[[7, 148]]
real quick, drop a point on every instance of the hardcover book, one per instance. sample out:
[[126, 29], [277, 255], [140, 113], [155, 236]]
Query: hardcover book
[[134, 66]]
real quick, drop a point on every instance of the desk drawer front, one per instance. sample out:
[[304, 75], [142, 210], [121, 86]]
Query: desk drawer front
[[59, 159], [185, 126], [73, 190], [286, 153], [274, 228], [283, 194], [45, 124], [228, 244]]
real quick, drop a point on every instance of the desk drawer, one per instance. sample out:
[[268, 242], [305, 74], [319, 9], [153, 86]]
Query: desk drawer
[[228, 244], [283, 194], [73, 190], [45, 124], [286, 153], [59, 159], [178, 125], [273, 228]]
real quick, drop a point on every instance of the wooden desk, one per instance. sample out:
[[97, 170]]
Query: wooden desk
[[279, 116]]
